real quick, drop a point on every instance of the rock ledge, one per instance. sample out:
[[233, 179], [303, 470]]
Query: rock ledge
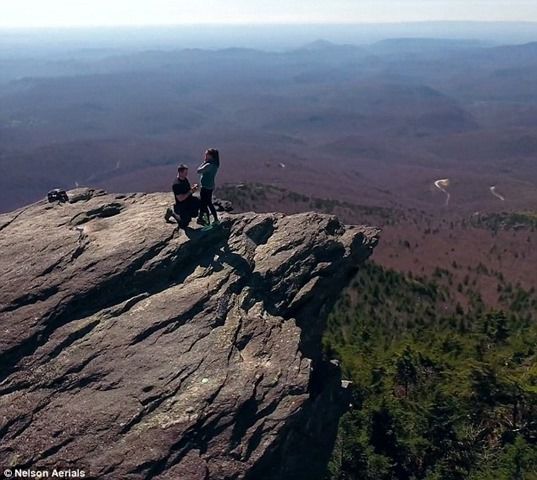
[[132, 350]]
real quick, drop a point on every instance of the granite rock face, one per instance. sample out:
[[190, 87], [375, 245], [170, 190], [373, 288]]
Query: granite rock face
[[133, 350]]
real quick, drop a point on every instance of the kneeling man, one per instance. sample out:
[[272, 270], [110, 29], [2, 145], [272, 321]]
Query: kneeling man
[[186, 205]]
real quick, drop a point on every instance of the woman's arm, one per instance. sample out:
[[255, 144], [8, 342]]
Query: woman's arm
[[203, 167]]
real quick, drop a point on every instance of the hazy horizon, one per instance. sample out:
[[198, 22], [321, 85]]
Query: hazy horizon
[[261, 36], [261, 24], [31, 13]]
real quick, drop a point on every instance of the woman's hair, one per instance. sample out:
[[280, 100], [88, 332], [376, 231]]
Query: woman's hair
[[215, 156]]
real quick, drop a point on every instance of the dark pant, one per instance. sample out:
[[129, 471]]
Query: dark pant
[[186, 210], [206, 203]]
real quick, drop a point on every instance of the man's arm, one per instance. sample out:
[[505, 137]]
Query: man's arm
[[181, 197]]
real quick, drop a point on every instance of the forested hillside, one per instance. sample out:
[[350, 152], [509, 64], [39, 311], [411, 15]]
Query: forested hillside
[[439, 391]]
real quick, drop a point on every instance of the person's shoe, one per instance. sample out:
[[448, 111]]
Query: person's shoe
[[168, 215], [201, 221]]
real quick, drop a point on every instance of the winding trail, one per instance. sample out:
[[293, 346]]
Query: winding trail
[[443, 185], [496, 194]]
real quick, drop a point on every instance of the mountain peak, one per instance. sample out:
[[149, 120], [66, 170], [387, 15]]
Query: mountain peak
[[319, 44]]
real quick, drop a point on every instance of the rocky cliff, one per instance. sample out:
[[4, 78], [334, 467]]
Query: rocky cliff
[[132, 350]]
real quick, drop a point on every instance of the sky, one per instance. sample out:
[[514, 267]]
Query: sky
[[73, 13]]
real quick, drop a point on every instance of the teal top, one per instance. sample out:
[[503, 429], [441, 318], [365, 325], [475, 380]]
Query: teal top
[[208, 173]]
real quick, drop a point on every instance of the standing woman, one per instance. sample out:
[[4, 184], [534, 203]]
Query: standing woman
[[207, 171]]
